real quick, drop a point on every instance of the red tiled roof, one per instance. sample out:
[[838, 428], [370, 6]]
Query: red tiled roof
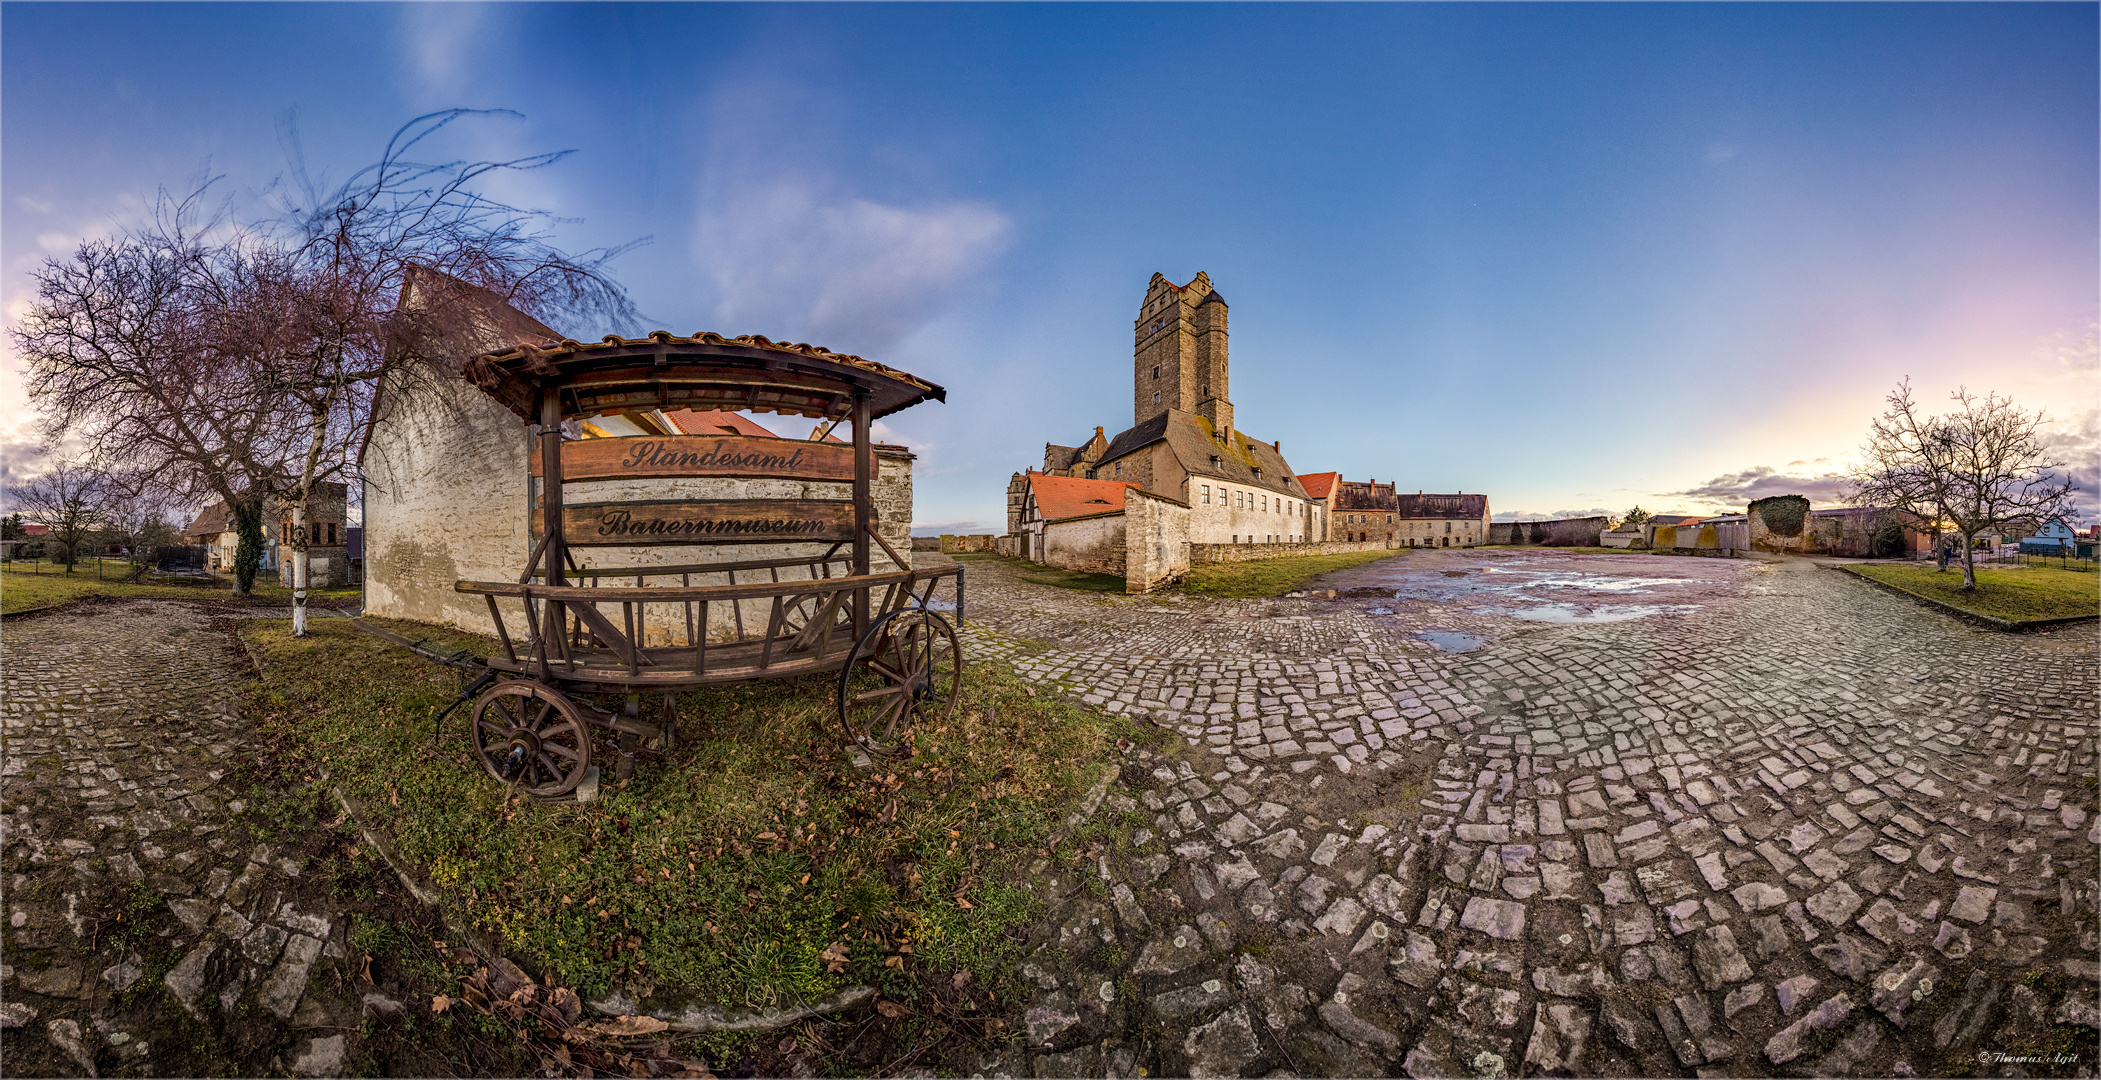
[[1318, 484], [35, 530], [717, 423], [1059, 497]]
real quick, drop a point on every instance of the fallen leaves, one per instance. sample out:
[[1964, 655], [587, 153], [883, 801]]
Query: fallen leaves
[[834, 957], [892, 1009]]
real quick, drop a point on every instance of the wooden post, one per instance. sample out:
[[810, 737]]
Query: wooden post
[[551, 504], [864, 483]]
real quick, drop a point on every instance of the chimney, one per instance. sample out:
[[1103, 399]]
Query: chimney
[[1097, 431], [1278, 446]]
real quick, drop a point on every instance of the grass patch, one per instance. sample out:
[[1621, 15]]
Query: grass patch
[[750, 864], [27, 586], [1272, 577], [2014, 593], [1040, 574]]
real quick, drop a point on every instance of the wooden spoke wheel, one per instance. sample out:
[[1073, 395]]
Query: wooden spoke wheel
[[906, 670], [531, 736], [801, 617]]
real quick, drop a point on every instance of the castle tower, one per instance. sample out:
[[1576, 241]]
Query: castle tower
[[1179, 353]]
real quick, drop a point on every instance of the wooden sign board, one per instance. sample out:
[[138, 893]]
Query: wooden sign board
[[714, 521], [676, 456]]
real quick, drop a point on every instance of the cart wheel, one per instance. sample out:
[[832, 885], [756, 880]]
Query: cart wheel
[[906, 670], [530, 735], [799, 616]]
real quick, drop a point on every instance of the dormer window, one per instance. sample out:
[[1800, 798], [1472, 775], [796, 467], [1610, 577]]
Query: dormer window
[[1258, 474], [1214, 461]]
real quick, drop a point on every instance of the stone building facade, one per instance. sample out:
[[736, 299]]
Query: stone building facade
[[1455, 520], [1182, 444], [1371, 511], [449, 496]]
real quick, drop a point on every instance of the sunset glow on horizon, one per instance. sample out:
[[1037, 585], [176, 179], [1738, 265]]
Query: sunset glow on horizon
[[1578, 257]]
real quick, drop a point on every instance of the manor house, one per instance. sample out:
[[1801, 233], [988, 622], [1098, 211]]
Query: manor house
[[1181, 445]]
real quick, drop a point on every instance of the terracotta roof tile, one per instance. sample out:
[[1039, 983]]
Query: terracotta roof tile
[[1060, 497], [1318, 484], [717, 423]]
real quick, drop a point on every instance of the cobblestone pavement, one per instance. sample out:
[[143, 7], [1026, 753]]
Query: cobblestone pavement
[[121, 727], [1805, 827]]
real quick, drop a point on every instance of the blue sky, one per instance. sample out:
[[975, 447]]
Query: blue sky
[[1575, 256]]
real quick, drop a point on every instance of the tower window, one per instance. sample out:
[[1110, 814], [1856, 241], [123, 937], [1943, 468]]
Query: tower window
[[1156, 397], [1156, 371]]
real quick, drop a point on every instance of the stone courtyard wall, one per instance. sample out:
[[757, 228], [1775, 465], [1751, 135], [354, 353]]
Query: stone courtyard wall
[[1560, 532], [1204, 554], [1156, 540], [1093, 545]]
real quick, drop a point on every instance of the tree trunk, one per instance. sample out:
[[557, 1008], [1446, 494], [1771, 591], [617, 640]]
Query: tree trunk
[[299, 568], [248, 551], [1969, 562]]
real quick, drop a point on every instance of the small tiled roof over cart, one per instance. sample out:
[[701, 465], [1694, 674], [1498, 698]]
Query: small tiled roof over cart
[[704, 372]]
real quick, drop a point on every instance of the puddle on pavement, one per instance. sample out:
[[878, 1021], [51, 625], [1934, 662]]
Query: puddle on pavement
[[1569, 613], [1453, 641]]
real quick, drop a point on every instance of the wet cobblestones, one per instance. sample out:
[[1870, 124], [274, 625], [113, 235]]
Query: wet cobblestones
[[1763, 836], [121, 724]]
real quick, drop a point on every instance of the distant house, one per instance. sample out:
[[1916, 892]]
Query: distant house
[[1372, 512], [2055, 537], [1320, 491], [328, 558]]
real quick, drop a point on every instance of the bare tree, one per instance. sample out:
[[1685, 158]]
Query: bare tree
[[321, 303], [135, 515], [250, 365], [70, 501], [121, 357], [1983, 468]]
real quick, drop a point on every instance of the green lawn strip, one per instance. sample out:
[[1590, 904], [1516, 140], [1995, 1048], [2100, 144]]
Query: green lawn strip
[[1272, 577], [1040, 574], [2014, 594], [727, 866], [29, 587]]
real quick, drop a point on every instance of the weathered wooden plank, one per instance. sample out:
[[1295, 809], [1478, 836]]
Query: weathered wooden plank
[[675, 456], [710, 521]]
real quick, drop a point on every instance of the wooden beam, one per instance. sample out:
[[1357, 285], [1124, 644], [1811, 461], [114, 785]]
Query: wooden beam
[[711, 521], [680, 456]]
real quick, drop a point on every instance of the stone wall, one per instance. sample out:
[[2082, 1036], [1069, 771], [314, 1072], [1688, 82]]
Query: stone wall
[[1561, 532], [965, 543], [1204, 554], [1156, 541], [1093, 545]]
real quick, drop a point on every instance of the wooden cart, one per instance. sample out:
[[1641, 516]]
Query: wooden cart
[[599, 638]]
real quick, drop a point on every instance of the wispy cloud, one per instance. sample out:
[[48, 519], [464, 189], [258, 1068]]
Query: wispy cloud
[[22, 458], [795, 249], [804, 256], [1736, 489], [1527, 515]]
